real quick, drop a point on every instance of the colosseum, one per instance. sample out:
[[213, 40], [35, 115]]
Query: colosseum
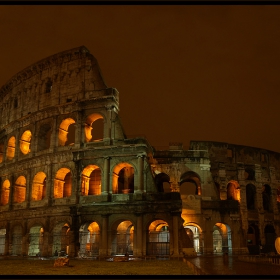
[[72, 182]]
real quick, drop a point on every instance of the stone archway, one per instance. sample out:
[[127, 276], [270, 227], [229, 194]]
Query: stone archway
[[123, 239], [35, 247], [89, 238], [159, 239], [61, 239], [222, 239], [17, 241], [195, 234], [253, 239], [270, 237]]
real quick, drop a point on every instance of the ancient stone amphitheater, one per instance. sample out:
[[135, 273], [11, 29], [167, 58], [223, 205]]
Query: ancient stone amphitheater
[[73, 182]]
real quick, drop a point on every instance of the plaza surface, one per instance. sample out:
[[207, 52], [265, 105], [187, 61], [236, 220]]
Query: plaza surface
[[218, 265]]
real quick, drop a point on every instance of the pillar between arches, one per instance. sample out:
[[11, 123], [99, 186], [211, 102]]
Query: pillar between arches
[[103, 249], [138, 249], [106, 181]]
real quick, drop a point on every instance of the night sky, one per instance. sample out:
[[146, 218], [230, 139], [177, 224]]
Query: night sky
[[183, 72]]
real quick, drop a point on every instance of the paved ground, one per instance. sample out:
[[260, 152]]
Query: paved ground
[[217, 265]]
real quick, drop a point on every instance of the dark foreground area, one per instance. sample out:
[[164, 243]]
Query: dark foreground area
[[17, 266], [218, 265]]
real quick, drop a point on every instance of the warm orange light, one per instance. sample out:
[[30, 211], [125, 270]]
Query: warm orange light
[[39, 186], [88, 125], [5, 193], [20, 189], [63, 131], [11, 148], [25, 142]]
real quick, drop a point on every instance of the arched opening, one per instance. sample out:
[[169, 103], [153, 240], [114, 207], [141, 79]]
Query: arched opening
[[17, 240], [122, 239], [94, 128], [270, 237], [249, 173], [250, 196], [66, 134], [162, 182], [190, 183], [39, 186], [91, 180], [222, 239], [1, 152], [61, 239], [20, 189], [25, 142], [89, 238], [5, 192], [253, 239], [266, 193], [123, 178], [44, 137], [195, 235], [2, 241], [233, 191], [11, 148], [159, 239], [35, 247], [63, 183]]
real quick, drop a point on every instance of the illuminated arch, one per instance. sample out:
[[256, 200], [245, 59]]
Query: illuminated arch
[[39, 186], [222, 238], [20, 190], [25, 142], [5, 192], [63, 183], [61, 240], [35, 247], [89, 238], [233, 190], [66, 134], [94, 127], [159, 238], [123, 238], [194, 232], [11, 147], [123, 178], [190, 183], [91, 180]]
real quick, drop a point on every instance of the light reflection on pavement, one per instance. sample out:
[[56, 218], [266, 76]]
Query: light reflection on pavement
[[218, 265]]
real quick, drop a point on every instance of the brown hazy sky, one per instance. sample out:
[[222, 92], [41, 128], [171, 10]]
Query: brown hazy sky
[[183, 72]]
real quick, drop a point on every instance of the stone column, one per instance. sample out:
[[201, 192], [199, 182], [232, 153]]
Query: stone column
[[46, 240], [107, 128], [106, 179], [208, 236], [139, 186], [175, 220], [25, 244], [7, 239], [138, 249], [72, 247], [103, 249]]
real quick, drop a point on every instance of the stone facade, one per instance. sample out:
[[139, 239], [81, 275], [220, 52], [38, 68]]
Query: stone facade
[[73, 183]]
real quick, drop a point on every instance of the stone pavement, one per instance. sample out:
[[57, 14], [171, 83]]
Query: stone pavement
[[218, 265]]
